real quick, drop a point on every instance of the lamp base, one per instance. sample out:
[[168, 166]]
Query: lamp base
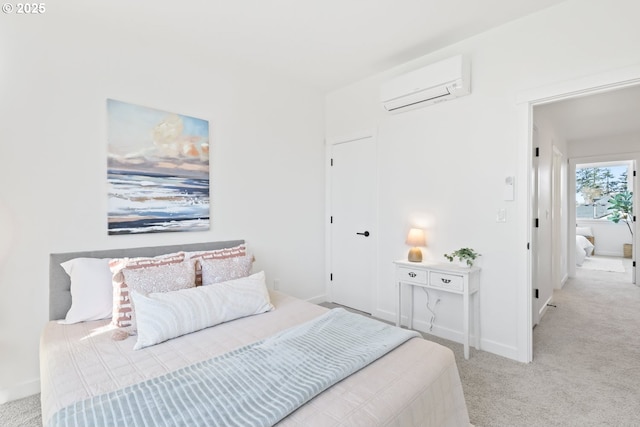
[[415, 255]]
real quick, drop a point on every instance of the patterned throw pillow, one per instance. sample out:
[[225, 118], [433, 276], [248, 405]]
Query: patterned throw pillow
[[221, 265], [163, 273]]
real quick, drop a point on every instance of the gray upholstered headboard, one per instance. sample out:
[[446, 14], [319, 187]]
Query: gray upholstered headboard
[[60, 284]]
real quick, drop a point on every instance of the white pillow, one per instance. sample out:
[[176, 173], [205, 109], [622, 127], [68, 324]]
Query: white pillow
[[166, 315], [91, 289], [584, 231]]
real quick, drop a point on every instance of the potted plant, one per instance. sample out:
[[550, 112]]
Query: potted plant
[[464, 255], [621, 209]]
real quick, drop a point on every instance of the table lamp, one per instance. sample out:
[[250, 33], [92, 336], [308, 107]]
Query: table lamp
[[415, 238]]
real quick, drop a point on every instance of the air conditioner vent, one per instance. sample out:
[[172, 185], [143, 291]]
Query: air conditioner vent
[[434, 83]]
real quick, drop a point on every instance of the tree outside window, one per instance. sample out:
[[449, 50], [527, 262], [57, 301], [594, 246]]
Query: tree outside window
[[595, 186]]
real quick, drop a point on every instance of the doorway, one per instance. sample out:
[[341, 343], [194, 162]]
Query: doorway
[[603, 209], [528, 101]]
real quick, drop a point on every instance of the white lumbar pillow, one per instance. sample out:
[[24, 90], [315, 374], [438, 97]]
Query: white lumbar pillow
[[165, 315]]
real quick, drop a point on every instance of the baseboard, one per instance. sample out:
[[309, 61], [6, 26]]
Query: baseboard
[[422, 326], [563, 281], [496, 348], [609, 253], [18, 391], [317, 299], [440, 332], [500, 349], [545, 306], [387, 316]]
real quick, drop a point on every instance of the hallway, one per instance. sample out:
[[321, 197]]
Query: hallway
[[586, 362]]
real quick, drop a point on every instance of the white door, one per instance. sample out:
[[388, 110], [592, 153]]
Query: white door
[[634, 265], [534, 232], [558, 221], [542, 228], [353, 234]]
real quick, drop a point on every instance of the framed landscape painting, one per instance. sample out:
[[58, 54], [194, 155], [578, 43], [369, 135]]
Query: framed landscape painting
[[158, 170]]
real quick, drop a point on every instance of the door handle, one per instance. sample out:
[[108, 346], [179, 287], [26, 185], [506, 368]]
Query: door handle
[[365, 234]]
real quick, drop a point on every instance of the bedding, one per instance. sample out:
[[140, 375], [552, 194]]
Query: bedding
[[584, 248], [584, 231], [415, 384], [255, 385]]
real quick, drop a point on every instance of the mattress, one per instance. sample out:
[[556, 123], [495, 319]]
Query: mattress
[[417, 384]]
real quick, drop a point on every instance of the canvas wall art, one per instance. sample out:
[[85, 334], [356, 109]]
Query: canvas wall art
[[158, 170]]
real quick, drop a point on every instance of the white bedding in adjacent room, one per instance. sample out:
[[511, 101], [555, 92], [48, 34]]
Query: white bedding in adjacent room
[[417, 384], [584, 248]]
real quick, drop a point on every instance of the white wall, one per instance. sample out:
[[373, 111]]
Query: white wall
[[608, 237], [56, 72], [601, 146], [461, 151]]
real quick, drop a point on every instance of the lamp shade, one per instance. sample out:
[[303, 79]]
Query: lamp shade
[[416, 237]]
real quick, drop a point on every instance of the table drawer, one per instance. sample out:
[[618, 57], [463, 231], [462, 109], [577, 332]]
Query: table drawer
[[412, 275], [446, 281]]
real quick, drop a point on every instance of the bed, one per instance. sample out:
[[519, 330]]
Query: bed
[[584, 244], [415, 384]]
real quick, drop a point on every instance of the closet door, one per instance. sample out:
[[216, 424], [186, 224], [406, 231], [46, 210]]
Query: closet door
[[353, 234]]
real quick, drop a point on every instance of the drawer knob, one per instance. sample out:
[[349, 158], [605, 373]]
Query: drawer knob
[[412, 274], [445, 280]]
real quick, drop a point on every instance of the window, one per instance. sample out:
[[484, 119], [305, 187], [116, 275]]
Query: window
[[595, 185]]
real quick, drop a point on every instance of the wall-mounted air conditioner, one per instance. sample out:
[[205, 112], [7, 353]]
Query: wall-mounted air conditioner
[[434, 83]]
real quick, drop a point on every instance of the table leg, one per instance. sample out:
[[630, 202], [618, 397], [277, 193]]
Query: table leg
[[411, 307], [465, 326], [399, 307], [476, 319]]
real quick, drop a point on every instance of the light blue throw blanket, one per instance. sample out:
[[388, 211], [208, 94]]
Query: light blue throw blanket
[[255, 385]]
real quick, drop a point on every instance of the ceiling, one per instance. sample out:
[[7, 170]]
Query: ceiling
[[615, 112], [328, 44], [323, 43]]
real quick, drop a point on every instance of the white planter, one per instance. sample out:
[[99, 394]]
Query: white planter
[[461, 264]]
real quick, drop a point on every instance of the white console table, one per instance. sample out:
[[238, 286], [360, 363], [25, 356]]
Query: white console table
[[446, 278]]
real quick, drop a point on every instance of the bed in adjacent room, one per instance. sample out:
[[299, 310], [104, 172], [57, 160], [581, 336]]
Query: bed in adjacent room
[[584, 244], [123, 366]]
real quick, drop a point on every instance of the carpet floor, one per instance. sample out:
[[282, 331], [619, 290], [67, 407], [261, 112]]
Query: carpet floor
[[585, 372], [586, 362], [603, 263]]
